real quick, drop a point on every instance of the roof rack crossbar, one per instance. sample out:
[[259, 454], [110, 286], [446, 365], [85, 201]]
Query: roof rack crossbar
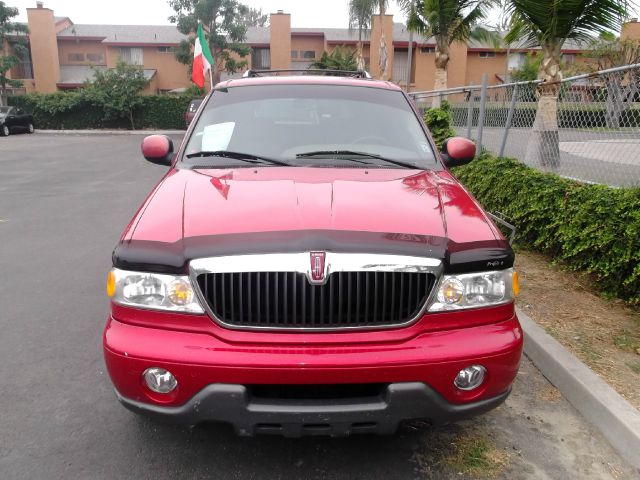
[[338, 73]]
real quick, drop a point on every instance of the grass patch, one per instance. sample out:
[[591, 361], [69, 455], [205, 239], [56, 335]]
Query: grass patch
[[476, 457], [635, 367], [626, 340]]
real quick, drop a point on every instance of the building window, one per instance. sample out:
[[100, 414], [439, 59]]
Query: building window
[[76, 57], [516, 61], [569, 58], [165, 49], [400, 66], [96, 57], [294, 54], [132, 56], [427, 49], [308, 54], [261, 59], [487, 54]]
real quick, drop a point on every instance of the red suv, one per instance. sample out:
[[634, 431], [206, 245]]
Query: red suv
[[309, 265]]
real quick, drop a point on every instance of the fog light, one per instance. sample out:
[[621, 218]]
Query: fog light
[[470, 377], [159, 380]]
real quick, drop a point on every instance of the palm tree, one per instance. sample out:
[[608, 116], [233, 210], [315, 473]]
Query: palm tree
[[448, 21], [368, 9], [409, 8], [548, 24], [360, 15]]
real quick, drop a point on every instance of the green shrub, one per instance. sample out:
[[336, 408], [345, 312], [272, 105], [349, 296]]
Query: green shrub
[[71, 111], [440, 123], [592, 228]]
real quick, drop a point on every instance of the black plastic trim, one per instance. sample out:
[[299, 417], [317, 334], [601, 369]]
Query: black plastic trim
[[382, 414]]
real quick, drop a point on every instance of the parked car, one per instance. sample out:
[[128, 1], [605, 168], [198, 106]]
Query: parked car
[[308, 265], [191, 110], [14, 119]]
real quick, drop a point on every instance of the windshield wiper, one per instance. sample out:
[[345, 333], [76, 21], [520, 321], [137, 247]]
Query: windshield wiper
[[344, 154], [244, 157]]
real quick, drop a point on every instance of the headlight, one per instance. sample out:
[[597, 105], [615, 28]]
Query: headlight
[[473, 290], [153, 291]]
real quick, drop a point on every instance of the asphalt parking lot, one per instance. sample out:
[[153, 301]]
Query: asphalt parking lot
[[64, 200]]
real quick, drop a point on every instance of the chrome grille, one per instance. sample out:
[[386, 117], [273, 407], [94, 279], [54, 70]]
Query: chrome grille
[[288, 300]]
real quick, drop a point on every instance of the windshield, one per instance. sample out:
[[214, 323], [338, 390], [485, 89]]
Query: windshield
[[5, 110], [304, 125]]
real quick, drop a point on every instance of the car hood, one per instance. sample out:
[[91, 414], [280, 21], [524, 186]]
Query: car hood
[[196, 213]]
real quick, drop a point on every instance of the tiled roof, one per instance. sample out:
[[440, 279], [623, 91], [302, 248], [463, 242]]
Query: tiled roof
[[127, 34], [78, 74], [169, 35]]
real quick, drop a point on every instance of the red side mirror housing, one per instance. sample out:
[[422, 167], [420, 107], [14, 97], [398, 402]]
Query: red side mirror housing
[[458, 151], [158, 149]]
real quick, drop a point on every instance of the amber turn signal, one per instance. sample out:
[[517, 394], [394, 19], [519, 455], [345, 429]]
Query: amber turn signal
[[515, 284], [111, 284]]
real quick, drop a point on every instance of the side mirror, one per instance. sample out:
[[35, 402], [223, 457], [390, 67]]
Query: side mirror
[[158, 149], [458, 151]]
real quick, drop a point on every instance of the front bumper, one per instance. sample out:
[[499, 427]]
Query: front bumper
[[216, 369], [233, 404]]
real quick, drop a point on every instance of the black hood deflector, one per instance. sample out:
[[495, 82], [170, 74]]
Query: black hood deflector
[[173, 258]]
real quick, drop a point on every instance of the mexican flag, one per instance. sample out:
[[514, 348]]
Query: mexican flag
[[202, 59]]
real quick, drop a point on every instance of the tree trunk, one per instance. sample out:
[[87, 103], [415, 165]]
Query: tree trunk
[[133, 126], [359, 53], [384, 61], [410, 61], [441, 81], [544, 143]]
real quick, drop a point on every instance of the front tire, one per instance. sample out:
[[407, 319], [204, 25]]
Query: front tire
[[4, 131], [30, 128]]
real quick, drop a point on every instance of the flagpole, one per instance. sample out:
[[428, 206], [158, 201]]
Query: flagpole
[[211, 78]]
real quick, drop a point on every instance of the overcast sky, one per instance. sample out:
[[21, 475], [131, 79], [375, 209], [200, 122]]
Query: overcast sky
[[328, 13]]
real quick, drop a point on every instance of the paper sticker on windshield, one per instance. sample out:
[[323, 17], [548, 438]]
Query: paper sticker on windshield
[[217, 137]]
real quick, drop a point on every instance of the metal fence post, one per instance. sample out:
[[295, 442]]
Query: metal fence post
[[470, 112], [512, 107], [483, 102]]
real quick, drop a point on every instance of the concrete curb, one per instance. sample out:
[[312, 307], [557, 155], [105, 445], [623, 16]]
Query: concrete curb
[[602, 406], [113, 132]]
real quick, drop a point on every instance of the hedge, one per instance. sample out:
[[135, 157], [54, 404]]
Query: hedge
[[69, 111], [592, 228]]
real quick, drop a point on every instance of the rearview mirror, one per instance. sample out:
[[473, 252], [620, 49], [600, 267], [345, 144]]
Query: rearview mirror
[[158, 149], [458, 151]]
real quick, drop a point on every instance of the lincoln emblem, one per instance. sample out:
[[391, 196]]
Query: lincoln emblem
[[317, 266]]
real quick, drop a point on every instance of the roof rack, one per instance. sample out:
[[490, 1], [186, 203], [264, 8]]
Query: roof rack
[[311, 71]]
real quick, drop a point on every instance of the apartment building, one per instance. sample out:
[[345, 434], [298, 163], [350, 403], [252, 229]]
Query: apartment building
[[63, 55]]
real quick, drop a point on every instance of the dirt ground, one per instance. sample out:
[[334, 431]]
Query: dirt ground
[[603, 333]]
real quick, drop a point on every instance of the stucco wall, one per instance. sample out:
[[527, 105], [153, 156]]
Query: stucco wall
[[44, 49]]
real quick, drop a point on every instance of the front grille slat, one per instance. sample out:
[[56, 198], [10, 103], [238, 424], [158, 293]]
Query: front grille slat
[[288, 300]]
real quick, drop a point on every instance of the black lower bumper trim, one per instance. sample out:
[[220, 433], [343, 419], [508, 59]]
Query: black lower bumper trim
[[293, 418]]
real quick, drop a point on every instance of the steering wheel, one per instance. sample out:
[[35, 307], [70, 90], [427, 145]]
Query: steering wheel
[[371, 139]]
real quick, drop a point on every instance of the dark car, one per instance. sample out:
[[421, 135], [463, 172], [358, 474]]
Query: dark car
[[191, 110], [14, 119]]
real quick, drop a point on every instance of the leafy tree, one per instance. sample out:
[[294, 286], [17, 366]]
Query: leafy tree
[[360, 18], [549, 23], [365, 9], [255, 18], [341, 58], [448, 21], [9, 57], [225, 29], [117, 91], [440, 123], [621, 89]]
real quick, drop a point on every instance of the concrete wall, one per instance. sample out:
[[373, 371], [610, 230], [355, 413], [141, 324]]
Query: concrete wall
[[44, 49], [631, 30], [301, 43], [280, 40]]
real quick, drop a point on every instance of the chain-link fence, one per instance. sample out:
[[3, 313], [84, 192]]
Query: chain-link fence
[[586, 127]]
